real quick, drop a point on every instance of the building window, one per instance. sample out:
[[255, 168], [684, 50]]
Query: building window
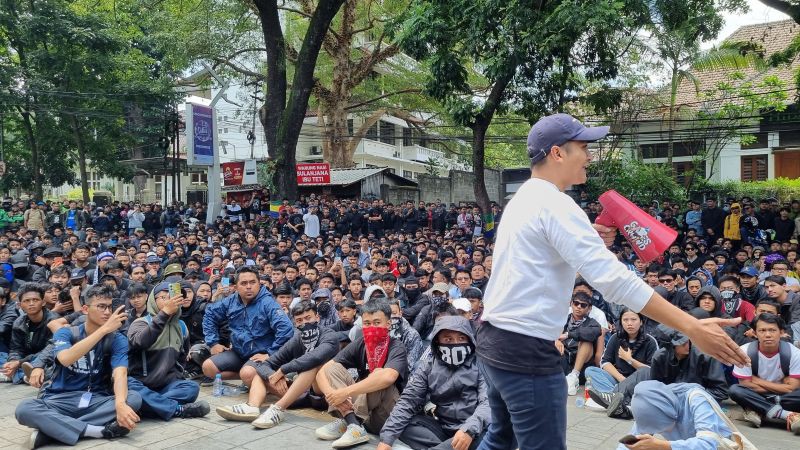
[[685, 171], [408, 137], [754, 168], [200, 178], [789, 138], [372, 132], [762, 141], [408, 174], [93, 180], [660, 150], [387, 132], [350, 127], [159, 187]]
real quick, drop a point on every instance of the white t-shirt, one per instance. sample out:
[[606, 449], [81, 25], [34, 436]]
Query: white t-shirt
[[545, 239], [312, 225], [769, 368]]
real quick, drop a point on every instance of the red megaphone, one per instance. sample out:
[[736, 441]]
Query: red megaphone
[[648, 237]]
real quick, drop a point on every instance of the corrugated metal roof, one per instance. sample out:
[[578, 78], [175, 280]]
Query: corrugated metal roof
[[346, 177]]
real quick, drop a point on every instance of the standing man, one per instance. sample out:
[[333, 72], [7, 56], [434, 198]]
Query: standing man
[[546, 238]]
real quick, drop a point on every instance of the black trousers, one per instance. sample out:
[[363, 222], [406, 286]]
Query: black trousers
[[749, 399], [425, 432]]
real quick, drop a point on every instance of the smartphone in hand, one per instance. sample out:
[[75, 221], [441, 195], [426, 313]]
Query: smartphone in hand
[[226, 281], [628, 439]]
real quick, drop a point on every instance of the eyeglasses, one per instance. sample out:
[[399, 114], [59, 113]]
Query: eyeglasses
[[689, 249], [103, 306], [666, 280], [580, 304]]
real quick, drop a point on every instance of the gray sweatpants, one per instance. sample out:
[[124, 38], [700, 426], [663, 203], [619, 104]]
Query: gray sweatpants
[[58, 415]]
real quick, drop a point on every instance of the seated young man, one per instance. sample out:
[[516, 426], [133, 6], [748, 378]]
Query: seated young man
[[450, 381], [678, 362], [159, 343], [81, 401], [257, 324], [770, 388], [380, 361], [577, 343], [29, 334], [310, 348]]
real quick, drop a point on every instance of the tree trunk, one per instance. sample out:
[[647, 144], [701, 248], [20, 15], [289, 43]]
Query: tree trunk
[[339, 136], [38, 190], [76, 133], [478, 153], [291, 115], [671, 124], [479, 127]]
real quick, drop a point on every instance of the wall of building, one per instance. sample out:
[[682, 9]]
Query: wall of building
[[458, 187]]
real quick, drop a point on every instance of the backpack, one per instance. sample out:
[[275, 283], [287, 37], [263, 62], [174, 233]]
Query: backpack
[[785, 350], [149, 319]]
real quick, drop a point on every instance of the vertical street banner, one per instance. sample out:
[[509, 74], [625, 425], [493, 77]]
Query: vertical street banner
[[199, 135]]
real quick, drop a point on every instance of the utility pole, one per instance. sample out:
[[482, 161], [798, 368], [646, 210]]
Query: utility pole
[[214, 189]]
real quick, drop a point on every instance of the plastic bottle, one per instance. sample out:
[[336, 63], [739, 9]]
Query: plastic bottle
[[217, 390], [580, 401]]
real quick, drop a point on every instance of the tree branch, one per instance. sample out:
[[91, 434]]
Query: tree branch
[[234, 67], [381, 97], [296, 11], [789, 8]]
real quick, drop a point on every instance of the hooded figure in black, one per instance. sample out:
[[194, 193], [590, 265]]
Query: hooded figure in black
[[449, 379]]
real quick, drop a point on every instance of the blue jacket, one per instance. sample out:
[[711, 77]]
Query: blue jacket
[[260, 327]]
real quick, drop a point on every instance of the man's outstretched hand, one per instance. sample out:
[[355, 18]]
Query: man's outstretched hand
[[712, 340]]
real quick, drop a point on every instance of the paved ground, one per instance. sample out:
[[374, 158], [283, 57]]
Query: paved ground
[[587, 430]]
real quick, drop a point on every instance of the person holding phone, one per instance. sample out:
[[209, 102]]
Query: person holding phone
[[159, 343], [683, 413]]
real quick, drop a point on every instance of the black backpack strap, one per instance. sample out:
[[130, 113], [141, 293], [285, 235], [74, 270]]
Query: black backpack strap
[[785, 351], [752, 353]]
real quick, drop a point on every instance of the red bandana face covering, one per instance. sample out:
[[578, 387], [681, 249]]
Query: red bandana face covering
[[376, 340]]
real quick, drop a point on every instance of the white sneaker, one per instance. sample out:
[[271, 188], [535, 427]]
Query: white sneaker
[[355, 434], [239, 413], [752, 417], [572, 383], [269, 418], [331, 431]]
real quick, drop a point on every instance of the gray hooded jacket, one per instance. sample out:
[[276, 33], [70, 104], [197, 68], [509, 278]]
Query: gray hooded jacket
[[458, 393]]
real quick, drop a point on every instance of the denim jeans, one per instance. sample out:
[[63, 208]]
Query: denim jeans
[[164, 403], [528, 411], [602, 381], [18, 376]]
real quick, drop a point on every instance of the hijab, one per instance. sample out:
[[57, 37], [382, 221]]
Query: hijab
[[171, 336]]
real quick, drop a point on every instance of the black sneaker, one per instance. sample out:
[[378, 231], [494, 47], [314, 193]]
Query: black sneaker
[[192, 375], [38, 439], [196, 409], [617, 408], [601, 398], [114, 430], [206, 381]]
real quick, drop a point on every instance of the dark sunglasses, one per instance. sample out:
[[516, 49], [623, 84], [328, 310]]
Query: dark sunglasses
[[580, 304], [666, 280]]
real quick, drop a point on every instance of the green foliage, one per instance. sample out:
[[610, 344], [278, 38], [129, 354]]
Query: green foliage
[[639, 182], [784, 189]]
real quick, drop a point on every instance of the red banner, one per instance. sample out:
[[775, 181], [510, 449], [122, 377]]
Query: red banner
[[233, 173], [313, 173]]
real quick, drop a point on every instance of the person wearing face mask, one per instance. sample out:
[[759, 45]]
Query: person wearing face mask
[[439, 300], [414, 297], [402, 330], [732, 304], [327, 313], [363, 404], [451, 381], [311, 346]]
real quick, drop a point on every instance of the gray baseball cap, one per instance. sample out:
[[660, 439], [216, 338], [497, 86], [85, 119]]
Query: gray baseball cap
[[558, 129]]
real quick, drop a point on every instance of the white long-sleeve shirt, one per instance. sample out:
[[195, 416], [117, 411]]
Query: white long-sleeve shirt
[[544, 241]]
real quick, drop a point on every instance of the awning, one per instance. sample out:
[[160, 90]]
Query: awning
[[242, 187]]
